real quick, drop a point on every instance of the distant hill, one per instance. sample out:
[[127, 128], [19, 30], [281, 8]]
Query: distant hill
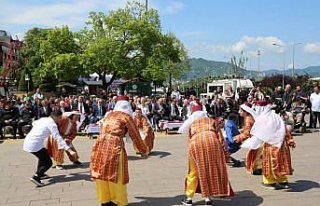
[[202, 68]]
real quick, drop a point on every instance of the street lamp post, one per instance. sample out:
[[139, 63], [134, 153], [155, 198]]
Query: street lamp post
[[259, 75], [230, 65], [293, 45], [27, 79], [284, 60]]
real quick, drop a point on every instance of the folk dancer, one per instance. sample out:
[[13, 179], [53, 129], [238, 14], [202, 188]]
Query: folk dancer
[[228, 123], [109, 161], [207, 165], [145, 129], [269, 132], [34, 141], [68, 129], [254, 157]]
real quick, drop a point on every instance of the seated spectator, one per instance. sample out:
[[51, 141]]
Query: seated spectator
[[174, 111], [217, 108], [62, 107], [185, 111], [9, 117], [153, 108], [99, 110], [298, 110], [45, 109], [205, 105], [144, 106], [26, 118]]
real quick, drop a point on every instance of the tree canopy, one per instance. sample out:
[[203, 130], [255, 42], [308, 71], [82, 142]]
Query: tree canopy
[[124, 43]]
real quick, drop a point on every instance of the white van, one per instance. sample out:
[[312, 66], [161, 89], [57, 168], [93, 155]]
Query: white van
[[244, 84]]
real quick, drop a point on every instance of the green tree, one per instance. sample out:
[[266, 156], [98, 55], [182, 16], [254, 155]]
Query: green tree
[[30, 51], [121, 42], [169, 61], [22, 83], [60, 54]]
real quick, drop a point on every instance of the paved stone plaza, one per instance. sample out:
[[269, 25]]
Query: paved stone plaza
[[158, 180]]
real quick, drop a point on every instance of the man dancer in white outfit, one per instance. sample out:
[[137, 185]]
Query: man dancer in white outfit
[[34, 142]]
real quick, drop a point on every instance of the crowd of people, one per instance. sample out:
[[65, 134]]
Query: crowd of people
[[212, 126], [19, 112]]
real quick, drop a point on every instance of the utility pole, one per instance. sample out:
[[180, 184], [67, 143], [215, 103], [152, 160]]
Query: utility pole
[[284, 60], [146, 5], [293, 45], [259, 54]]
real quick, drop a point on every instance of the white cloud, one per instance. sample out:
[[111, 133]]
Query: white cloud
[[264, 42], [248, 44], [73, 13], [174, 7], [312, 47], [239, 46], [289, 66]]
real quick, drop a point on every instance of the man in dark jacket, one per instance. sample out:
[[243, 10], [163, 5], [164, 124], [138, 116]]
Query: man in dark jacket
[[25, 118], [9, 117]]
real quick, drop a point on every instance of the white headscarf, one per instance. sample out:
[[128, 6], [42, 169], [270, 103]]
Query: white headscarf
[[123, 106], [184, 129], [79, 122], [268, 127], [249, 110]]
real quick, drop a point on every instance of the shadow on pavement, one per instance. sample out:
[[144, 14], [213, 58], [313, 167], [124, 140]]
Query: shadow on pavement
[[161, 154], [245, 197], [158, 201], [138, 157], [241, 164], [303, 185], [69, 178], [73, 166]]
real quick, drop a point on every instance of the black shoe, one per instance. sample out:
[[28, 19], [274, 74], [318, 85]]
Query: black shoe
[[257, 172], [284, 185], [237, 163], [208, 202], [187, 202], [77, 163], [36, 180], [107, 204], [270, 186], [44, 176]]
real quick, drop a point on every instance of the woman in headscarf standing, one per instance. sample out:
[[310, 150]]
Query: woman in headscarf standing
[[109, 161], [207, 165]]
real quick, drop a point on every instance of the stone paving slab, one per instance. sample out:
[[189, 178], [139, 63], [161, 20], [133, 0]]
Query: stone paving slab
[[156, 181]]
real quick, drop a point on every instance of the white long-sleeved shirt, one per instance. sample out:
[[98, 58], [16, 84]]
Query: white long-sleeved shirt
[[42, 129], [315, 102]]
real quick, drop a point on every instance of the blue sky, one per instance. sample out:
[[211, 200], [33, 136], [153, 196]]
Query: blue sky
[[211, 29]]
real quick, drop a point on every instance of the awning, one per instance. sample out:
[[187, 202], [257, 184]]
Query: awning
[[66, 84]]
